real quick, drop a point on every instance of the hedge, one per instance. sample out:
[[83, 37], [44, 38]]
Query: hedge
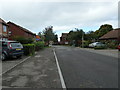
[[29, 49], [23, 40], [39, 45], [100, 47]]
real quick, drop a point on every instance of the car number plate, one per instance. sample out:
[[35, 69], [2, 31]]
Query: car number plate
[[18, 49]]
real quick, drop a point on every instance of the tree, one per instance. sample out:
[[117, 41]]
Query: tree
[[75, 37], [49, 34], [40, 34], [104, 29], [94, 36], [55, 38]]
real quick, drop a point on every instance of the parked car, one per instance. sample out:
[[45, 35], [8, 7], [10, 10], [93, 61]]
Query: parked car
[[10, 49], [119, 47], [96, 44]]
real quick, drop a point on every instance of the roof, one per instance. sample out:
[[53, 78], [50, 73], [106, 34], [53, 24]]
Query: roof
[[22, 28], [64, 34], [114, 34], [3, 22]]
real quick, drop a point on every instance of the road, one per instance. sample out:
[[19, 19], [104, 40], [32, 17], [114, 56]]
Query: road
[[84, 69]]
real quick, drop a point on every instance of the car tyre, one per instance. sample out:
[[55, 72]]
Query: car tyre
[[3, 56], [19, 56]]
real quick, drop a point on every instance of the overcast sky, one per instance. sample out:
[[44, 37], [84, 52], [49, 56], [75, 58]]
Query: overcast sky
[[64, 16]]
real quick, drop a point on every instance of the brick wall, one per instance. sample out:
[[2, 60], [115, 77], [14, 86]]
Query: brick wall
[[18, 31]]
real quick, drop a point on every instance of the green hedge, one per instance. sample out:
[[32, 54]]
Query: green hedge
[[39, 45], [100, 47], [29, 49], [23, 40]]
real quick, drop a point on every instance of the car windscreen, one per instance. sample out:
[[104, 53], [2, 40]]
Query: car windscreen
[[16, 45]]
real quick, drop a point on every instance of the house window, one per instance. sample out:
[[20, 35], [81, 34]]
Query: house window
[[4, 28]]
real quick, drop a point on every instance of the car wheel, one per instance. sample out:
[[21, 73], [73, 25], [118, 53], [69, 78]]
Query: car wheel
[[19, 56], [3, 56]]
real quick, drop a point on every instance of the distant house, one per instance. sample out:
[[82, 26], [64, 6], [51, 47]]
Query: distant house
[[3, 30], [112, 35], [63, 38], [16, 30]]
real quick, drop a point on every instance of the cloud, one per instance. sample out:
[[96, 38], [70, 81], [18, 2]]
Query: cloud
[[64, 16]]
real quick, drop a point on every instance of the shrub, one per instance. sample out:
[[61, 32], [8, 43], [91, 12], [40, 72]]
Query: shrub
[[29, 49], [112, 45], [22, 39], [100, 47], [39, 45], [86, 44]]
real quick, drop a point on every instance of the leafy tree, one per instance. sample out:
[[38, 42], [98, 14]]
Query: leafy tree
[[49, 34], [55, 38], [75, 37], [41, 36], [94, 36], [104, 29]]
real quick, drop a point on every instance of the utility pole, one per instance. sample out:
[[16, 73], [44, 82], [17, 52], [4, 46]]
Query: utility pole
[[82, 39]]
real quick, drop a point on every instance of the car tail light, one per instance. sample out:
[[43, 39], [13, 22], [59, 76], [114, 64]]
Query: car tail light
[[9, 45]]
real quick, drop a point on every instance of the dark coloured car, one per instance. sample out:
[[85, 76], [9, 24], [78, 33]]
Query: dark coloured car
[[11, 49]]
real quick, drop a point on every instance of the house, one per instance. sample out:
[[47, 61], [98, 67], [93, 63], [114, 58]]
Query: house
[[16, 30], [112, 35], [3, 30], [63, 38]]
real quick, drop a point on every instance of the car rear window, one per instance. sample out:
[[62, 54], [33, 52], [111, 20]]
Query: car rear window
[[16, 45]]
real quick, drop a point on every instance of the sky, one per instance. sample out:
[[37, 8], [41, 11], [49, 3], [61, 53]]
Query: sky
[[63, 15]]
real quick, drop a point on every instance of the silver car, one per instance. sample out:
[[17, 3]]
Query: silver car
[[96, 44]]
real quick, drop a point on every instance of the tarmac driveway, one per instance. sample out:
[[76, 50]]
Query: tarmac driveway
[[40, 71]]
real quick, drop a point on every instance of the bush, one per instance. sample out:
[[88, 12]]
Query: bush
[[86, 44], [100, 47], [39, 45], [112, 45], [23, 40], [29, 49]]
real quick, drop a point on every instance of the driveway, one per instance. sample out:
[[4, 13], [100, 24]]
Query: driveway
[[39, 71]]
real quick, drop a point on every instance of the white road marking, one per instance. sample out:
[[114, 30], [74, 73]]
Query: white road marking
[[59, 71], [15, 65]]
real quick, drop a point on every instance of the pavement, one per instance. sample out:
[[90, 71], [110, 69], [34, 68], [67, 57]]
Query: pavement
[[108, 52], [8, 63], [87, 69], [39, 71]]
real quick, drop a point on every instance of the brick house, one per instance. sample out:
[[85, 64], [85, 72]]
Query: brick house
[[16, 30], [63, 38], [3, 30], [113, 35]]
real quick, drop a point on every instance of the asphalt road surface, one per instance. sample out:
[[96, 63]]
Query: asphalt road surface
[[83, 69]]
